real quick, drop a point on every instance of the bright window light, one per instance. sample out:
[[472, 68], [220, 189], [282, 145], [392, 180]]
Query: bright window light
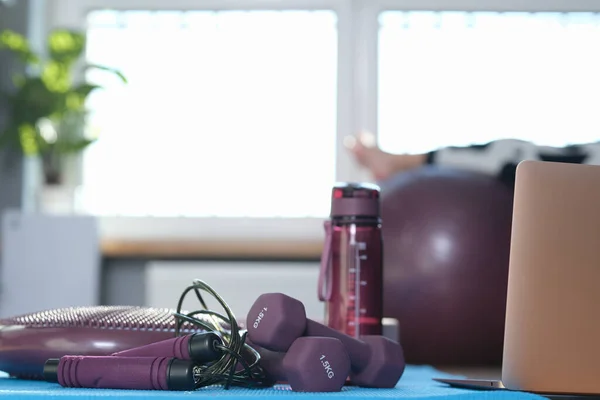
[[228, 114], [456, 78]]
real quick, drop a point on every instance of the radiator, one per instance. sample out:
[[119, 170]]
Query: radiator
[[238, 282]]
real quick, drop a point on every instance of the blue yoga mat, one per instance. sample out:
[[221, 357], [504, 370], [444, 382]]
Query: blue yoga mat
[[416, 383]]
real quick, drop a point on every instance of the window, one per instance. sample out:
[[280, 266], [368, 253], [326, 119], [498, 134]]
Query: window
[[227, 113], [456, 78]]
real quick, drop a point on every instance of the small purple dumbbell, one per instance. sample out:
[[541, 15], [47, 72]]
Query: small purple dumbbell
[[276, 320], [311, 364]]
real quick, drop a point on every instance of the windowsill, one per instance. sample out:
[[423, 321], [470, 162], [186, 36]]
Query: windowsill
[[152, 237], [185, 238], [211, 249]]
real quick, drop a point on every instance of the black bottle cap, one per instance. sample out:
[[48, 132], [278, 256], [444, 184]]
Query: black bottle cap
[[51, 370], [355, 200], [182, 375], [203, 347]]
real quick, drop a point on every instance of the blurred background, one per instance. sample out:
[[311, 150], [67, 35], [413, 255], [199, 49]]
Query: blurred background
[[210, 146]]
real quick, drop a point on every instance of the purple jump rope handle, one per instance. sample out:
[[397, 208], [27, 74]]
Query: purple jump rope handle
[[109, 372], [200, 347]]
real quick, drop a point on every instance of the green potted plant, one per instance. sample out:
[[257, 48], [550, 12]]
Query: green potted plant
[[46, 106]]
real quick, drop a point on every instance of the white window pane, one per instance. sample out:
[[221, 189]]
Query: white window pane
[[227, 113], [456, 78]]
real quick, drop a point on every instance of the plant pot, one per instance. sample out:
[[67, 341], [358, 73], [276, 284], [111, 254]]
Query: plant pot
[[57, 199]]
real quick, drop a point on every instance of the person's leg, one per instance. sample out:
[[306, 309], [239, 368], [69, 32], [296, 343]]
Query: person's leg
[[498, 158], [381, 164]]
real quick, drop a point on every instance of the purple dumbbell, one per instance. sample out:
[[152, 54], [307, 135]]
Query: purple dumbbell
[[275, 321], [109, 372], [311, 364], [199, 347]]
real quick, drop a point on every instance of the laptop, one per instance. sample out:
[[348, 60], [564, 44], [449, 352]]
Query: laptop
[[552, 332]]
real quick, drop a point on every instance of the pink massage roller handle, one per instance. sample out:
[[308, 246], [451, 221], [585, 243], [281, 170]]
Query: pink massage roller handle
[[200, 347], [109, 372]]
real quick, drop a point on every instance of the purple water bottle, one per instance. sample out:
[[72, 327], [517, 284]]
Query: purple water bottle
[[351, 277]]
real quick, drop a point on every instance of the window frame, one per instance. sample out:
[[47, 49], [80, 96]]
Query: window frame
[[357, 92]]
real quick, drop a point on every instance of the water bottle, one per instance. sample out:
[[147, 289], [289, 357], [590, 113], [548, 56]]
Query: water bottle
[[351, 276]]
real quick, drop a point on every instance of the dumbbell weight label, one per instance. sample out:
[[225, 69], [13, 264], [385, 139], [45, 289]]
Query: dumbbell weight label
[[261, 315], [327, 367]]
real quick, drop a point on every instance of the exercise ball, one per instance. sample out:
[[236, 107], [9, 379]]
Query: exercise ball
[[446, 252]]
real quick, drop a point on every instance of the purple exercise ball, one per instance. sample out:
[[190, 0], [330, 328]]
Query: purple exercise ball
[[446, 251]]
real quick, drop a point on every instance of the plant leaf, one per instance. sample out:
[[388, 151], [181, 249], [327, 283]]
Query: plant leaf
[[33, 101], [18, 44], [56, 77], [77, 96], [66, 46], [84, 89], [73, 146], [114, 71], [29, 140]]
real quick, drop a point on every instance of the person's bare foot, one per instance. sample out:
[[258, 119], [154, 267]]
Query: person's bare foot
[[380, 164]]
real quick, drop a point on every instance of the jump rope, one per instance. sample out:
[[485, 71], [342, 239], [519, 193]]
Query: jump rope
[[224, 371]]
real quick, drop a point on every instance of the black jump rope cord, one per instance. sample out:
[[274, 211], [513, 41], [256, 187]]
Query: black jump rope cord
[[225, 370]]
